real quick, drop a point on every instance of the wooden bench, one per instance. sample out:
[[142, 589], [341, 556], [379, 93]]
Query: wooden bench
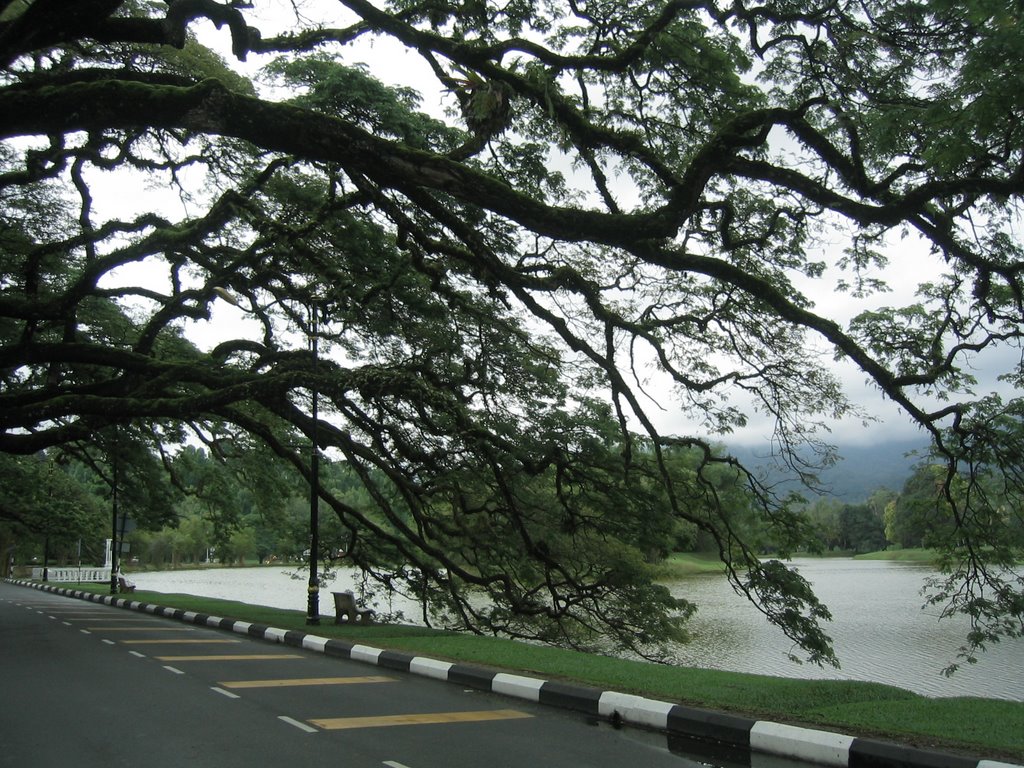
[[346, 610], [123, 585]]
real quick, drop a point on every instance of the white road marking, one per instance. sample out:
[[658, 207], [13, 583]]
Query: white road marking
[[393, 764], [137, 654], [109, 642], [222, 692], [301, 726], [174, 670]]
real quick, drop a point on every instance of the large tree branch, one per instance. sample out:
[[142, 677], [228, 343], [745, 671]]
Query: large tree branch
[[208, 107], [49, 23]]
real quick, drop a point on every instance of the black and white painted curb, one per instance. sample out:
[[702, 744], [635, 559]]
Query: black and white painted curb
[[751, 736]]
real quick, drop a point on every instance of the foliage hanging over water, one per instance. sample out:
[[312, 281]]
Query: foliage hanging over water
[[624, 199]]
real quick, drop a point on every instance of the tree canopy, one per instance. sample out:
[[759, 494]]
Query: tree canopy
[[619, 195]]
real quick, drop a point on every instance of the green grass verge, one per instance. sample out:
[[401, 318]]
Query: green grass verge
[[980, 727]]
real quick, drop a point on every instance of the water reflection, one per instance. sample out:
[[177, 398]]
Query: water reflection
[[880, 632]]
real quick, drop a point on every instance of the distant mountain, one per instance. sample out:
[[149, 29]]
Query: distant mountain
[[861, 470]]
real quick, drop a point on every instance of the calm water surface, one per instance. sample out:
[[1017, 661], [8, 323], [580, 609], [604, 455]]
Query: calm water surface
[[880, 632]]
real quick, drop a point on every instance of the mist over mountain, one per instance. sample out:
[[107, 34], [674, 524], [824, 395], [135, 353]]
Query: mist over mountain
[[861, 470]]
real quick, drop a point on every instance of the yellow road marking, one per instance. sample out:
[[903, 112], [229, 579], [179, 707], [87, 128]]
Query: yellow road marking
[[229, 657], [307, 681], [431, 718], [175, 642]]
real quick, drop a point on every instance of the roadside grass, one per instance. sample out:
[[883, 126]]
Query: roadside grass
[[992, 728]]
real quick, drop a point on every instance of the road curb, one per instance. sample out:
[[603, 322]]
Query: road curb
[[676, 720]]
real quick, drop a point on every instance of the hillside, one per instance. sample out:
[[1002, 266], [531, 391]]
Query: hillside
[[861, 470]]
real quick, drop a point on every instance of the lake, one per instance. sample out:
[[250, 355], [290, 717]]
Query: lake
[[880, 632]]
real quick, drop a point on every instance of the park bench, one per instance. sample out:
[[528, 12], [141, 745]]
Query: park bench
[[124, 585], [346, 610]]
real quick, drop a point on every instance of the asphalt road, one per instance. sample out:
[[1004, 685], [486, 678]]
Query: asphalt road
[[93, 686]]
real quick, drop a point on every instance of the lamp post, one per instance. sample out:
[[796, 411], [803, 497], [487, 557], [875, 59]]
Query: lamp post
[[313, 590], [113, 514], [313, 607]]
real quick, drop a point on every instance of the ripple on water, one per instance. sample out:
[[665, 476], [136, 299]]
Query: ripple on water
[[879, 631]]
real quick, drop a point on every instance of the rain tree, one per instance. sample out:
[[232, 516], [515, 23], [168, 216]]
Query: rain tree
[[62, 499], [519, 236], [45, 505]]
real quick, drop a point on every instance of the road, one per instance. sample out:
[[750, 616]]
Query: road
[[94, 686]]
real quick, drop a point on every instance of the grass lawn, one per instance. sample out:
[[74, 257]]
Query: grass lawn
[[923, 556], [679, 565], [979, 727]]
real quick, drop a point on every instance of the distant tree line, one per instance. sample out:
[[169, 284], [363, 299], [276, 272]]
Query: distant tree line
[[918, 516], [221, 505], [234, 504]]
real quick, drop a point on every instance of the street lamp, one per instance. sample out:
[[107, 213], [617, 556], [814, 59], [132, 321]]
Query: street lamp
[[114, 546], [313, 607], [313, 590]]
